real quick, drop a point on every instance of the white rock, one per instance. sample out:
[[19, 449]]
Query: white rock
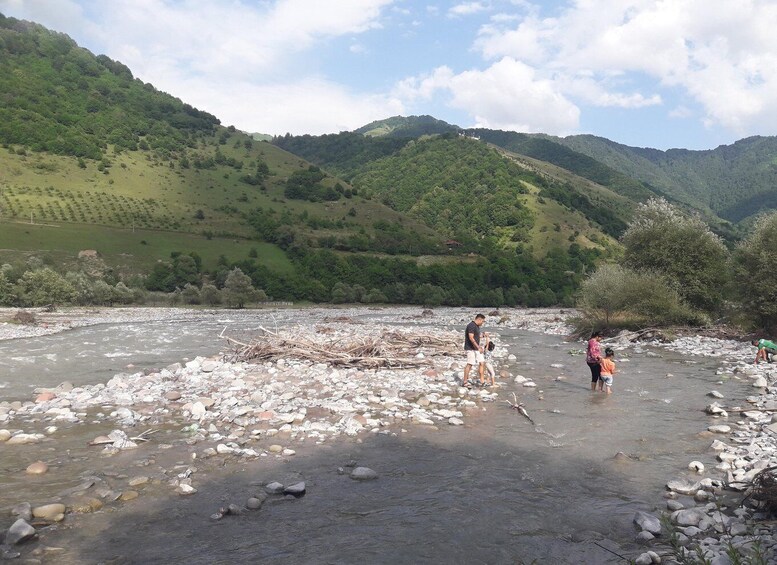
[[697, 466], [719, 429], [455, 422], [186, 489], [760, 382]]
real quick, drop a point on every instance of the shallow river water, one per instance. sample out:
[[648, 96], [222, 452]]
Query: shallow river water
[[497, 490]]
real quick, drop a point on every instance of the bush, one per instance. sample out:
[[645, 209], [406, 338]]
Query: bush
[[755, 273], [616, 296], [191, 294], [238, 289], [44, 286], [210, 295], [660, 238]]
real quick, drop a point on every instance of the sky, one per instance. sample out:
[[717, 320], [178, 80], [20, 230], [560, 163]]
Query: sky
[[692, 74]]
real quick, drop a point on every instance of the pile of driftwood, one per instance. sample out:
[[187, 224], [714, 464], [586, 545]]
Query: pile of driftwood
[[763, 488], [388, 349]]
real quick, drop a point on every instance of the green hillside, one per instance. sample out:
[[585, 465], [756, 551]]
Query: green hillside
[[92, 158], [733, 181], [575, 162], [467, 189], [85, 143], [406, 127]]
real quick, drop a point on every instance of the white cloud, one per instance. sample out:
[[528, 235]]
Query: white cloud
[[467, 9], [507, 95], [721, 54], [312, 105]]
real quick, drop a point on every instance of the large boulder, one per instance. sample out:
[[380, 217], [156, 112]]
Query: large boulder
[[648, 522]]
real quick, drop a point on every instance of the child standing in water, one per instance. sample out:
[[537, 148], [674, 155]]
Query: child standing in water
[[608, 369], [488, 359]]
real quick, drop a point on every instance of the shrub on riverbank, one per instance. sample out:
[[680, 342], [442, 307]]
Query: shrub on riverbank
[[755, 273], [619, 297]]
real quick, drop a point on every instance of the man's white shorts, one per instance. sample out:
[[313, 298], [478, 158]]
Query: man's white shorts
[[474, 357]]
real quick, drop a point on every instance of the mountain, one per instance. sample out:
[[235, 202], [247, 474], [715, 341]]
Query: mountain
[[406, 126], [90, 155], [92, 158], [735, 182]]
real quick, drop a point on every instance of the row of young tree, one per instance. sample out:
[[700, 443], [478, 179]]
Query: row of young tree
[[676, 271], [318, 275], [34, 285]]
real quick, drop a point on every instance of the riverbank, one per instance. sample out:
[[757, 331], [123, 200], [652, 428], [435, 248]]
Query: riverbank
[[710, 521], [207, 415]]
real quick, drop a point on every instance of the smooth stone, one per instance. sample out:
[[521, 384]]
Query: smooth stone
[[5, 435], [138, 481], [274, 488], [275, 448], [363, 474], [18, 532], [198, 409], [224, 449], [648, 522], [209, 365], [714, 394], [37, 468], [682, 487], [186, 489], [760, 382], [643, 559], [254, 503], [297, 489], [644, 536], [289, 452], [721, 559], [702, 496], [697, 466], [23, 510], [674, 505], [173, 395], [455, 421], [686, 517], [48, 511], [85, 505], [129, 495], [719, 429]]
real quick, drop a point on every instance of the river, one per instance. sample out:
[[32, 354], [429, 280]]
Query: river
[[497, 490]]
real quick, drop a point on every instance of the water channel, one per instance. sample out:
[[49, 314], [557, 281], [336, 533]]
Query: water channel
[[497, 490]]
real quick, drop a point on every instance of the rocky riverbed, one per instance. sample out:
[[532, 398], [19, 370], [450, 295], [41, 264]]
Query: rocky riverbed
[[229, 409], [704, 508], [205, 413]]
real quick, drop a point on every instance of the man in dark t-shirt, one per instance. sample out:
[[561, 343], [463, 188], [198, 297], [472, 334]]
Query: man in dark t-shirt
[[473, 349]]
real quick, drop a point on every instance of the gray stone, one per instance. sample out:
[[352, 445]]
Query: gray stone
[[686, 517], [644, 536], [721, 559], [674, 505], [363, 474], [18, 532], [297, 489], [22, 510], [254, 503], [682, 487], [648, 522], [691, 531], [643, 559], [714, 394], [274, 488]]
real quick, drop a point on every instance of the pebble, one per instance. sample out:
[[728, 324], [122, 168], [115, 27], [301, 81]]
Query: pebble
[[138, 481], [19, 532], [274, 488], [254, 503], [648, 522], [52, 512], [37, 468], [23, 510], [185, 489], [128, 495], [5, 435], [719, 429], [289, 452], [297, 489], [363, 474], [275, 448], [697, 466]]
